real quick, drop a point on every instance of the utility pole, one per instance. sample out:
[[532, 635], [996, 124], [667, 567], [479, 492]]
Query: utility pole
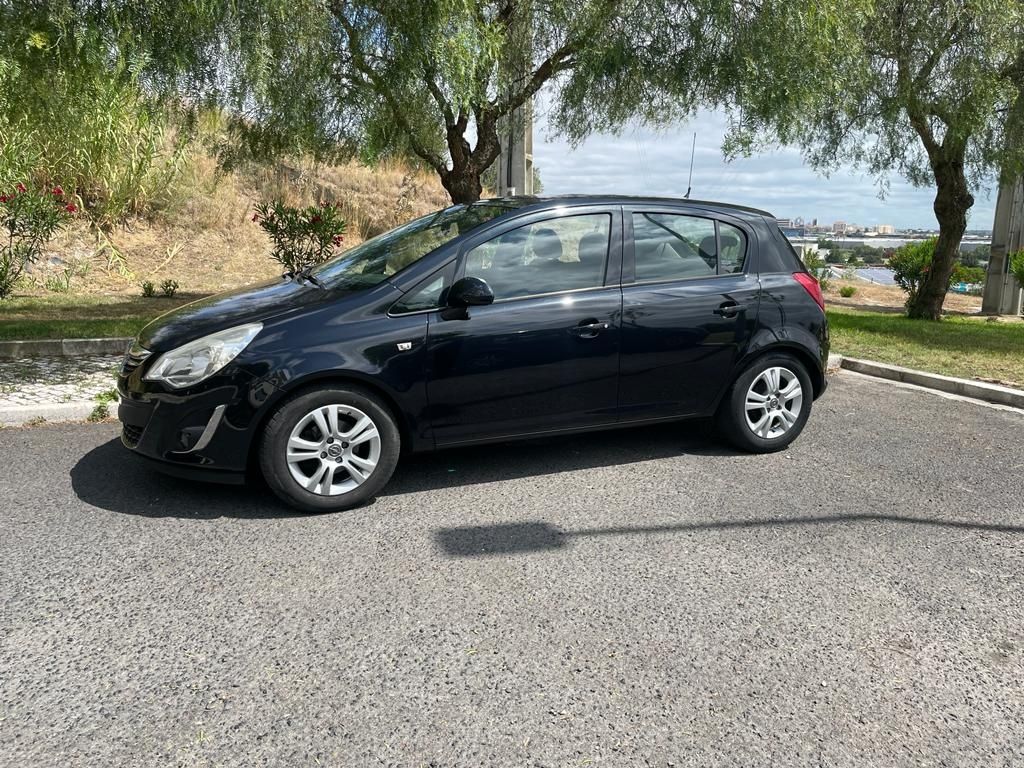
[[515, 163], [1002, 292]]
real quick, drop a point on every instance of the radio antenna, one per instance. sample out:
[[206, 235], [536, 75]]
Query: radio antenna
[[689, 181]]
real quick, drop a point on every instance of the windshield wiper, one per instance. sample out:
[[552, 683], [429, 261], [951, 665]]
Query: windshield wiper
[[306, 273]]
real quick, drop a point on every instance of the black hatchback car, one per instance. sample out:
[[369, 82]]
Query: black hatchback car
[[503, 319]]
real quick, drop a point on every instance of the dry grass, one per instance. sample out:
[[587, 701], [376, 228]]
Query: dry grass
[[891, 298], [204, 237]]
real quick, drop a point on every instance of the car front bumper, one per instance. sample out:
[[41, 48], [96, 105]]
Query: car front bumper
[[204, 432]]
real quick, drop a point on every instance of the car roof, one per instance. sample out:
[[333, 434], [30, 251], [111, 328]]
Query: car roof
[[541, 202]]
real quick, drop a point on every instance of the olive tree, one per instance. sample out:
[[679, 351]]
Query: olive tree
[[929, 89]]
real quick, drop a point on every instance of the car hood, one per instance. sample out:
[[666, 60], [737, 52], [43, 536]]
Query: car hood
[[225, 310]]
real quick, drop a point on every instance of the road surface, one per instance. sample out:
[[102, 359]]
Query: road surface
[[632, 598]]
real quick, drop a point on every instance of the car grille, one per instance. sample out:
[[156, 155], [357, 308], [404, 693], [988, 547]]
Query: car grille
[[133, 358], [130, 435]]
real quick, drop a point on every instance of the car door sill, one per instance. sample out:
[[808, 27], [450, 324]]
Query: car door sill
[[567, 430]]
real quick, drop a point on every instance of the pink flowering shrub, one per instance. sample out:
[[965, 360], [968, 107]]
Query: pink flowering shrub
[[28, 219]]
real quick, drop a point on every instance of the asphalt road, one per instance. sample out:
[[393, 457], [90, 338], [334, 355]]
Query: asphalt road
[[625, 599]]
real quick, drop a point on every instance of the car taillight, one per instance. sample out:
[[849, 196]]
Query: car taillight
[[811, 286]]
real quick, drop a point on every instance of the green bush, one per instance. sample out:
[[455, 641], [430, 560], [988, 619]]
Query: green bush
[[84, 121], [1017, 266], [818, 268], [28, 219], [847, 291], [148, 289], [965, 274], [302, 237], [169, 288], [910, 263]]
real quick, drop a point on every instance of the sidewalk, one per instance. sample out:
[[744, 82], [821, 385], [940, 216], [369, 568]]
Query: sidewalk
[[53, 388]]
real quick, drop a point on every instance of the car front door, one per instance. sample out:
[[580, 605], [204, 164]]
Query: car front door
[[689, 307], [545, 355]]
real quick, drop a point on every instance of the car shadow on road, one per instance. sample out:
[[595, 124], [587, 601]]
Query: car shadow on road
[[109, 479]]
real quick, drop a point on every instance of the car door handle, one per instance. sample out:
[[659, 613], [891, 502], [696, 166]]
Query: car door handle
[[588, 329], [729, 309]]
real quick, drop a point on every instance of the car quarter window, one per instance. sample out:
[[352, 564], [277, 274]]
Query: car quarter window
[[672, 246], [733, 252], [424, 296], [547, 256]]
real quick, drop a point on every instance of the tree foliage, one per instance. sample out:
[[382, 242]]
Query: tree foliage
[[929, 89], [435, 80]]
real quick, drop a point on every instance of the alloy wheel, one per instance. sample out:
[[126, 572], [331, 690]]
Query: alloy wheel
[[333, 449], [773, 402]]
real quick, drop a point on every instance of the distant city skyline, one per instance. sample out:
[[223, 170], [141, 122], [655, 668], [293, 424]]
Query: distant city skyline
[[643, 161]]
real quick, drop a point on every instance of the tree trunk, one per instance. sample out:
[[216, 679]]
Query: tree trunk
[[462, 180], [953, 200]]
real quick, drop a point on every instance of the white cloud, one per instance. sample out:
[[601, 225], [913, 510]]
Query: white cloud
[[646, 162]]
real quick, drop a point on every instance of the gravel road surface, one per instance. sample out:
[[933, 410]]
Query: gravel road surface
[[634, 598]]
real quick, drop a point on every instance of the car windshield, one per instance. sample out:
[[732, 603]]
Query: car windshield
[[377, 259]]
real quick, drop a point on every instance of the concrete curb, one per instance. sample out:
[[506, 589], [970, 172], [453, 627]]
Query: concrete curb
[[20, 415], [991, 393], [12, 350]]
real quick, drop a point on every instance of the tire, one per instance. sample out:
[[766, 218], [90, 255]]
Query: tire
[[309, 464], [767, 427]]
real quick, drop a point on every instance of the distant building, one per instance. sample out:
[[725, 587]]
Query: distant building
[[886, 229], [839, 228], [784, 223]]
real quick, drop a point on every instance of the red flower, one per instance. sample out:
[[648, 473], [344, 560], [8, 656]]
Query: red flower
[[58, 190], [4, 198], [21, 187], [255, 217], [70, 207], [315, 220], [338, 239]]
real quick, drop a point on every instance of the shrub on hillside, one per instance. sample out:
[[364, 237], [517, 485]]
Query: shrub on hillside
[[29, 217], [910, 263], [302, 237], [847, 291], [965, 274], [818, 268], [1017, 266]]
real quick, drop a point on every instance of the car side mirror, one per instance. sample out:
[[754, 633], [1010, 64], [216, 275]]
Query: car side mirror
[[469, 292]]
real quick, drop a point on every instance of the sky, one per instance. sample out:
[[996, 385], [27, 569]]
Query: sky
[[642, 161]]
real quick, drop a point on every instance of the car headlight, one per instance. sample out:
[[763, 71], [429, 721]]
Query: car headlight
[[191, 363]]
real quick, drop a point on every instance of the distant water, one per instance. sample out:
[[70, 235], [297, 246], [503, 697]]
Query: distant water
[[878, 275]]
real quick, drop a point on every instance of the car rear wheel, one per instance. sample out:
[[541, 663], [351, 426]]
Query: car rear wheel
[[768, 405], [329, 449]]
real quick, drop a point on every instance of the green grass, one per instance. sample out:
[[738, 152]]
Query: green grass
[[63, 316], [956, 346]]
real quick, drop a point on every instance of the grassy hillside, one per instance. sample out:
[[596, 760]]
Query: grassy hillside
[[203, 235]]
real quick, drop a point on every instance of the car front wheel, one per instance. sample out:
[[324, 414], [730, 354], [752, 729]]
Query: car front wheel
[[329, 449], [768, 405]]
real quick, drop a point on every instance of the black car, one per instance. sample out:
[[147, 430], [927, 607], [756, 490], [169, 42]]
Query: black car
[[503, 319]]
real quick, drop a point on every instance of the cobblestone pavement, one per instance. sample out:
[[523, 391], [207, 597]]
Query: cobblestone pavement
[[55, 380]]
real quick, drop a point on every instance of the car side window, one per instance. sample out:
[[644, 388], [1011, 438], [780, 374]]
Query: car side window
[[671, 246], [548, 256], [733, 249], [425, 295]]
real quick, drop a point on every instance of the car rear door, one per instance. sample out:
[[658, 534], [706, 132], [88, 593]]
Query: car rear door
[[545, 355], [690, 301]]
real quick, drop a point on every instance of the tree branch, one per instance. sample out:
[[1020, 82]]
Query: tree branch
[[338, 8], [429, 77]]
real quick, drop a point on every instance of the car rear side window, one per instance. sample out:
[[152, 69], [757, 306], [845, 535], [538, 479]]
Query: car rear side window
[[562, 254], [670, 246], [733, 251]]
